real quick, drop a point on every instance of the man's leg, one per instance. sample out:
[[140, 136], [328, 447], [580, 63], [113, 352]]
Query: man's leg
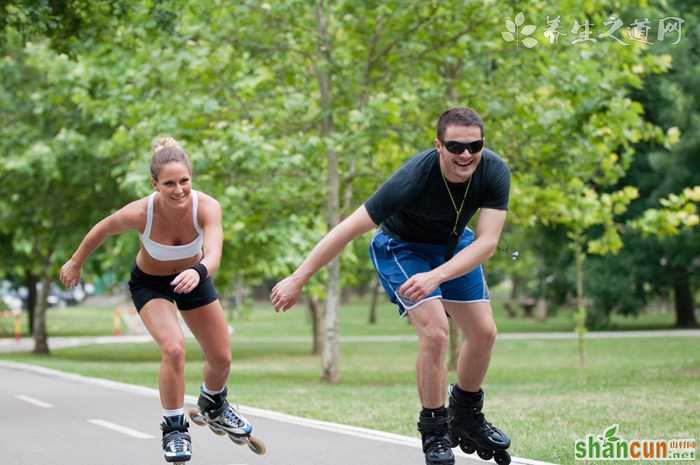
[[431, 325], [395, 262], [469, 426], [475, 321], [430, 322]]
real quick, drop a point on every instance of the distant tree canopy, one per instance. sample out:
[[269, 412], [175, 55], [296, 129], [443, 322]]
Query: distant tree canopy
[[274, 101]]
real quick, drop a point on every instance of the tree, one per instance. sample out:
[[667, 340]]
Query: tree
[[663, 239]]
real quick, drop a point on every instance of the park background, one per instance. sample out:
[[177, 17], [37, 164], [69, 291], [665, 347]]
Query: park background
[[293, 112]]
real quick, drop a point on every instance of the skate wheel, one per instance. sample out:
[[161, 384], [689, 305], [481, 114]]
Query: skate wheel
[[467, 446], [217, 431], [237, 440], [196, 416], [256, 445], [502, 457], [484, 454]]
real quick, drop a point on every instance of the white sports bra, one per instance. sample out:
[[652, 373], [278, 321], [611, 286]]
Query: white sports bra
[[171, 252]]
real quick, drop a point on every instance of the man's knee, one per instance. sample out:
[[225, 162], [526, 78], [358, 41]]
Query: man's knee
[[435, 338], [485, 334]]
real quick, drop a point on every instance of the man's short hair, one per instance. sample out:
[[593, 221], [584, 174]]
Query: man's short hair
[[460, 116]]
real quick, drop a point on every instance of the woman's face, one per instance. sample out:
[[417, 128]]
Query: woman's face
[[174, 183]]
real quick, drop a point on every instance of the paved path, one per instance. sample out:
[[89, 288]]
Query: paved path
[[26, 344], [53, 418]]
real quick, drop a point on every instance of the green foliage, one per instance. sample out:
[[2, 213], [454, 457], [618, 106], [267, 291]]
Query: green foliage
[[87, 85], [662, 241], [678, 212]]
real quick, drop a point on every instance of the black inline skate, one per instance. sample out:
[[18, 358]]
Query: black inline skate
[[177, 445], [435, 435], [225, 420], [472, 433]]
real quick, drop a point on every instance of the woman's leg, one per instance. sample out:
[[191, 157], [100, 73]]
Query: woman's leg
[[209, 326], [160, 318]]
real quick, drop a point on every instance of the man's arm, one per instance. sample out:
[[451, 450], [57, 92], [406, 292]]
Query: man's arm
[[285, 294], [488, 232]]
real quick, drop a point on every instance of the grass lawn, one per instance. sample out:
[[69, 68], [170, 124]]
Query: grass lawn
[[87, 320], [534, 390]]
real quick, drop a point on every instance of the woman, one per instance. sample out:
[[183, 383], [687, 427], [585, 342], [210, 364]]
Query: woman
[[181, 238]]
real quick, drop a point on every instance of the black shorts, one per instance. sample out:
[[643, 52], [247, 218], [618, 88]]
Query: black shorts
[[145, 287]]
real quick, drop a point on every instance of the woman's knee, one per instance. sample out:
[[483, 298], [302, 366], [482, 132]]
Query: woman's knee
[[173, 351], [221, 360]]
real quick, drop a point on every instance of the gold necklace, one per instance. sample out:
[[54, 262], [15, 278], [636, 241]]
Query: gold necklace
[[458, 211]]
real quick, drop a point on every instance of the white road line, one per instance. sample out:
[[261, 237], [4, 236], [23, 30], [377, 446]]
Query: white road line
[[34, 401], [121, 429]]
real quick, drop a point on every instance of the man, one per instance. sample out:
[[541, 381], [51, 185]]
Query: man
[[430, 266]]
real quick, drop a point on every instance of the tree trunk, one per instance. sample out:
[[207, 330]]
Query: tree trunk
[[30, 281], [683, 298], [542, 312], [41, 345], [580, 316], [316, 315], [373, 303], [512, 303], [240, 298], [331, 344]]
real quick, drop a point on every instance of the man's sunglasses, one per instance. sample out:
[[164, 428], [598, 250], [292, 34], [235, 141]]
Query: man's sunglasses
[[458, 147]]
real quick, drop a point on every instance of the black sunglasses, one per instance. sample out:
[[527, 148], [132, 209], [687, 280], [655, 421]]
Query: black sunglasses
[[457, 148]]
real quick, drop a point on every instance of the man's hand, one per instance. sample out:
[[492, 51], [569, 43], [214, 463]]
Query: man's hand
[[70, 274], [185, 281], [419, 286], [286, 292]]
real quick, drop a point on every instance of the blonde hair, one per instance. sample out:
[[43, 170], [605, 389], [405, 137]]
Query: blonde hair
[[167, 150]]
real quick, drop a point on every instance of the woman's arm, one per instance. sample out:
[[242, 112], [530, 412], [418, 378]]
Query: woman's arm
[[210, 215], [127, 218]]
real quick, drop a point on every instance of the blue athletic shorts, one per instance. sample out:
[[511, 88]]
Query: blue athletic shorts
[[396, 261]]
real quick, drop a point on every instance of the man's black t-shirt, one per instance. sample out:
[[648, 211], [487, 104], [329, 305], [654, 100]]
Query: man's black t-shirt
[[414, 205]]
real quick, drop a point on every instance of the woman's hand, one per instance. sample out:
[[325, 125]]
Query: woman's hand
[[186, 281]]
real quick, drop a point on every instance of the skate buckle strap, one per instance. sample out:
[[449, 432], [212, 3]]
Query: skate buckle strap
[[433, 424], [434, 432], [166, 428]]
